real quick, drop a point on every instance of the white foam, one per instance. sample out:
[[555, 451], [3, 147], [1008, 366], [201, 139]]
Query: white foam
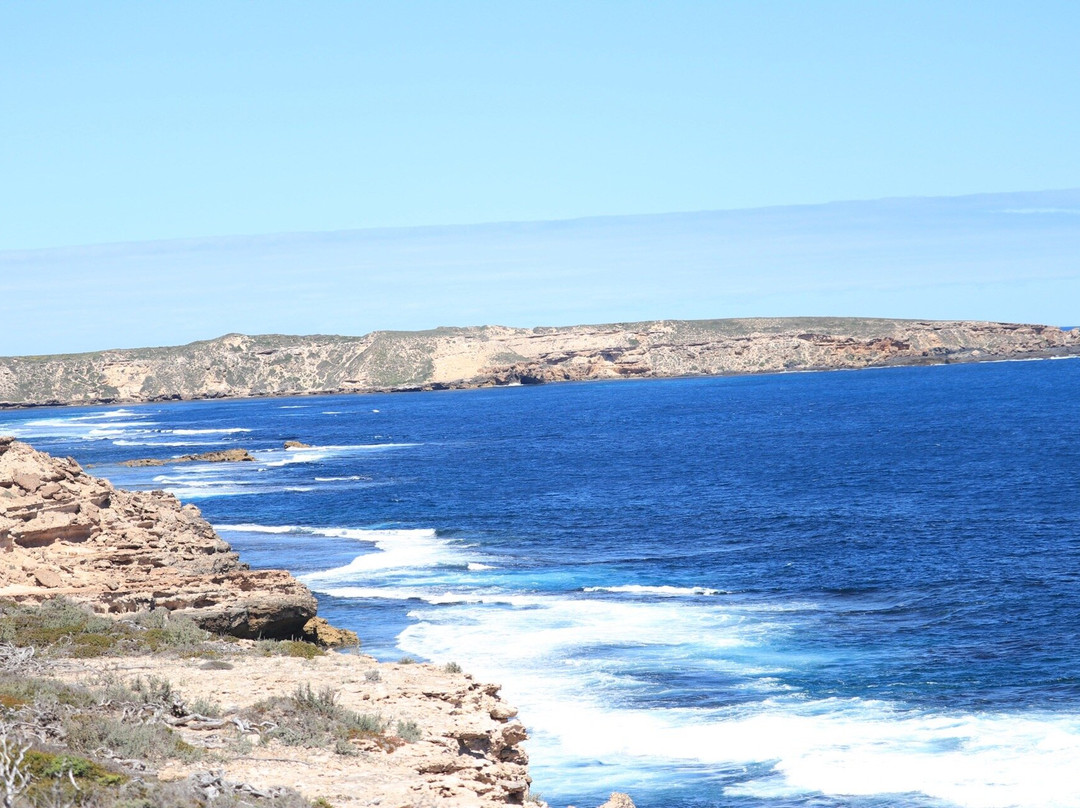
[[350, 478], [396, 550], [567, 662], [665, 591], [474, 567], [249, 528], [79, 427], [427, 595], [276, 458], [97, 416], [166, 443], [193, 491], [223, 431]]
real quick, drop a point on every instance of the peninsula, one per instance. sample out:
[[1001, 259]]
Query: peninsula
[[239, 366]]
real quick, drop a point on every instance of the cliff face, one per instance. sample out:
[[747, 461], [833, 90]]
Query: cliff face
[[240, 366], [64, 532]]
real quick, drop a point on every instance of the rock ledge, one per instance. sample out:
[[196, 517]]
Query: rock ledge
[[64, 532]]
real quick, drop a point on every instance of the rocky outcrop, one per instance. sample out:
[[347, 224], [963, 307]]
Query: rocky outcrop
[[240, 366], [465, 750], [222, 456], [619, 800], [320, 632], [64, 532]]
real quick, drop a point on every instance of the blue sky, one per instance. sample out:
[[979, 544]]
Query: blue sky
[[1010, 257], [126, 121], [134, 122]]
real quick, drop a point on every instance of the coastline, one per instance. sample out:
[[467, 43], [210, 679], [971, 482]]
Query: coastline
[[274, 366], [102, 588]]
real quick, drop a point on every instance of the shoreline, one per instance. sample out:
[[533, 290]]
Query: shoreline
[[239, 366], [1073, 353], [106, 586]]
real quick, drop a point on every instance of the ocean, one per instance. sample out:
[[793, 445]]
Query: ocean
[[816, 589]]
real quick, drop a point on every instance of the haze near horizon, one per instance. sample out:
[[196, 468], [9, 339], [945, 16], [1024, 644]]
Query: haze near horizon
[[1002, 257]]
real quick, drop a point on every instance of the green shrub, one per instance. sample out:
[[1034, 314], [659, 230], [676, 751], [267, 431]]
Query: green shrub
[[205, 707], [58, 622], [408, 731], [17, 691], [314, 719], [88, 733], [293, 648], [324, 702], [40, 764], [452, 667]]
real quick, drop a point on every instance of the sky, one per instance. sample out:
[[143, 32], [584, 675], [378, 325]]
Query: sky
[[155, 122], [1011, 257]]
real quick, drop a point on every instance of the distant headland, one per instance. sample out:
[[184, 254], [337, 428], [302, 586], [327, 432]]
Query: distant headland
[[240, 366]]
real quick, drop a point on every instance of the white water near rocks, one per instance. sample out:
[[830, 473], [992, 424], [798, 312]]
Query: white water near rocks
[[832, 590]]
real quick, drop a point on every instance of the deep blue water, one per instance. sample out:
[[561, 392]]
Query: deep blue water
[[829, 589]]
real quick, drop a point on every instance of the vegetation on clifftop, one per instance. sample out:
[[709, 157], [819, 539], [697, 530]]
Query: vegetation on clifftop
[[270, 365]]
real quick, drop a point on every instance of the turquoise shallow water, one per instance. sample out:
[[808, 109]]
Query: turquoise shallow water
[[833, 589]]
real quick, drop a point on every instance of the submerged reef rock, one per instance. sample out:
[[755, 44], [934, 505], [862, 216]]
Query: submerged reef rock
[[221, 456], [238, 366], [64, 532]]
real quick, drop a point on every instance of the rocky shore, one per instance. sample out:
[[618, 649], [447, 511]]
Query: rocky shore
[[273, 365], [464, 750], [65, 532], [409, 734]]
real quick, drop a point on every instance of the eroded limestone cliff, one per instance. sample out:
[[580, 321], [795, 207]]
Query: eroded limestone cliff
[[64, 532], [241, 366]]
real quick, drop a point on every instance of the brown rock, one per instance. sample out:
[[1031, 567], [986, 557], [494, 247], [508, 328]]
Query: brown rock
[[222, 456], [27, 482], [50, 490], [503, 712], [296, 444], [128, 551], [619, 800], [48, 578], [320, 632]]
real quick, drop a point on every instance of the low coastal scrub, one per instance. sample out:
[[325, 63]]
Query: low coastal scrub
[[68, 746], [408, 731], [315, 719], [60, 627], [81, 746], [293, 648]]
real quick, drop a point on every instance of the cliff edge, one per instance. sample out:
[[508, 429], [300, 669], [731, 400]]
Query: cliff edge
[[64, 532], [239, 366], [160, 689]]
